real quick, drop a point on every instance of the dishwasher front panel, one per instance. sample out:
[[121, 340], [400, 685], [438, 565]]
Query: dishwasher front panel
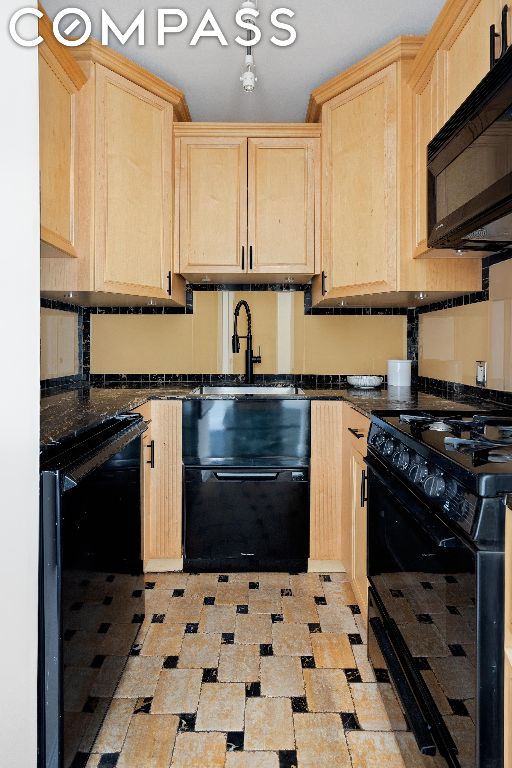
[[246, 519]]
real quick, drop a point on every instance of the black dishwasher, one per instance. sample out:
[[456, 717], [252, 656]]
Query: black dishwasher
[[246, 484]]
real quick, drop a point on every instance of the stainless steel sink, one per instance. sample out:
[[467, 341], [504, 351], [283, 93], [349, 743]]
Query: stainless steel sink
[[241, 390]]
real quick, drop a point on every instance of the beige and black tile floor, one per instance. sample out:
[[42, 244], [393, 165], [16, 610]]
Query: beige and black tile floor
[[225, 671]]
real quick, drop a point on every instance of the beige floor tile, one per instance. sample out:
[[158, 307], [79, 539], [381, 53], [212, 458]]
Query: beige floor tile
[[307, 584], [239, 664], [91, 724], [265, 600], [339, 578], [424, 640], [169, 580], [327, 691], [163, 640], [252, 760], [411, 755], [78, 683], [108, 677], [221, 707], [199, 651], [251, 629], [320, 741], [291, 639], [300, 610], [456, 675], [245, 577], [177, 691], [149, 741], [336, 618], [232, 593], [342, 594], [281, 676], [332, 650], [184, 610], [279, 580], [376, 750], [217, 619], [363, 664], [115, 726], [156, 601], [377, 708], [199, 750], [119, 639], [139, 677], [268, 724]]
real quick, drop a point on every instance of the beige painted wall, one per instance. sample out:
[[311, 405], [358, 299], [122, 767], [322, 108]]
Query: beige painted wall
[[290, 341], [452, 340], [59, 343]]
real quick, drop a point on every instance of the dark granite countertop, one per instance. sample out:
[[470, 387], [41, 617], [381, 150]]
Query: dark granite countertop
[[69, 412]]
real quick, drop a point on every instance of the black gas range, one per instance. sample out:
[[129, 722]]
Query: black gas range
[[437, 485]]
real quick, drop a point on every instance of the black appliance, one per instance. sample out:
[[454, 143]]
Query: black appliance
[[89, 521], [470, 169], [246, 484], [437, 487]]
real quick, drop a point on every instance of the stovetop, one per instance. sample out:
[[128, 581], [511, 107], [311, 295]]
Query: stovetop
[[474, 448]]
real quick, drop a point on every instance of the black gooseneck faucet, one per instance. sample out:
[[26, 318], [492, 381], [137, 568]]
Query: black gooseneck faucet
[[250, 359]]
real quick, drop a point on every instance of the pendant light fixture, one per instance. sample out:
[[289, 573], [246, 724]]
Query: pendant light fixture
[[248, 77]]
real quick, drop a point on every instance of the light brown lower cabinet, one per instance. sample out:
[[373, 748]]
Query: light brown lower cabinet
[[508, 641], [162, 480]]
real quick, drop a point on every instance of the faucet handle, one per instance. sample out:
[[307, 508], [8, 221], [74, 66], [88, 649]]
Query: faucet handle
[[257, 358]]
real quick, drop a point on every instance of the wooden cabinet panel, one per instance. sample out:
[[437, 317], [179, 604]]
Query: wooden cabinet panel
[[359, 171], [60, 78], [134, 187], [163, 509], [326, 479], [212, 188], [283, 191], [508, 639]]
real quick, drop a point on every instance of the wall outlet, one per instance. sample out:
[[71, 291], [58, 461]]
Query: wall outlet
[[481, 373]]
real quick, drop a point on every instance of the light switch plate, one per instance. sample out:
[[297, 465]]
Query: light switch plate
[[481, 373]]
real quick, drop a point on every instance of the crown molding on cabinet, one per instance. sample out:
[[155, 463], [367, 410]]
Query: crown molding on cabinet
[[251, 130], [51, 49], [401, 48], [93, 51]]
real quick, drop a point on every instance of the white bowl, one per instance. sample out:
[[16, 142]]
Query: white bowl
[[365, 382]]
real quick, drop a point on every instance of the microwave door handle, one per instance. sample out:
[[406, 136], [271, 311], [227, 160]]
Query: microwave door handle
[[419, 725], [437, 532]]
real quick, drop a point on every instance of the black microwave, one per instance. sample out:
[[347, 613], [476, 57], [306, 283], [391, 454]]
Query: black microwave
[[469, 169]]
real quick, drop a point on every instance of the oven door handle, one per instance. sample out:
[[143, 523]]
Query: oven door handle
[[419, 726], [437, 531]]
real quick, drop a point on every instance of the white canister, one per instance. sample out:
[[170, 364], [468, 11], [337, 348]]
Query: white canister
[[399, 373]]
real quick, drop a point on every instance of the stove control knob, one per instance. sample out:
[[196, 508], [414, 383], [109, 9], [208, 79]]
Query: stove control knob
[[389, 447], [418, 471], [404, 459], [434, 485], [379, 440]]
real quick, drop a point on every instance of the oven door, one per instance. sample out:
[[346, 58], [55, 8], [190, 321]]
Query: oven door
[[422, 614]]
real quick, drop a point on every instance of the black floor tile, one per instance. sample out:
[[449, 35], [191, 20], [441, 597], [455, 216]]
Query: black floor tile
[[69, 634], [80, 760], [178, 592], [97, 661], [91, 704], [350, 721], [325, 577], [396, 593], [242, 609], [276, 617], [287, 758], [266, 649], [137, 593], [209, 601], [314, 628], [107, 600], [252, 690], [456, 649], [286, 593], [187, 723], [209, 675], [171, 662], [421, 663], [138, 618], [235, 741], [382, 675], [254, 585], [109, 760], [149, 584], [355, 639], [143, 706], [136, 649], [228, 638], [158, 618], [110, 578], [320, 601], [424, 618], [353, 676], [458, 707], [223, 579], [356, 611], [299, 704], [307, 662], [191, 629]]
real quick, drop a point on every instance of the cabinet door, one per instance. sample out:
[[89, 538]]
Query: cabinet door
[[326, 483], [508, 638], [359, 536], [133, 247], [60, 78], [359, 162], [283, 196], [212, 188], [163, 512]]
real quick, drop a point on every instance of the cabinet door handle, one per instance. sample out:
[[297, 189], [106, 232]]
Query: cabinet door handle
[[243, 258], [169, 283], [250, 257], [364, 497], [356, 432], [151, 460], [324, 289]]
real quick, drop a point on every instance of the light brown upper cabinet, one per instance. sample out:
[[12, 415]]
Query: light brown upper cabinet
[[247, 202], [451, 62], [367, 150], [123, 202], [60, 79]]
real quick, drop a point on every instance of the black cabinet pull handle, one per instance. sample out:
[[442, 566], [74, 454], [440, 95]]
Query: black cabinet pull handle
[[364, 498], [169, 283], [324, 290], [151, 460], [243, 258], [356, 433], [250, 257]]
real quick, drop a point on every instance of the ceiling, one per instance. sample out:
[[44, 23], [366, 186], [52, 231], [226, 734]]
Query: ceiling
[[332, 35]]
